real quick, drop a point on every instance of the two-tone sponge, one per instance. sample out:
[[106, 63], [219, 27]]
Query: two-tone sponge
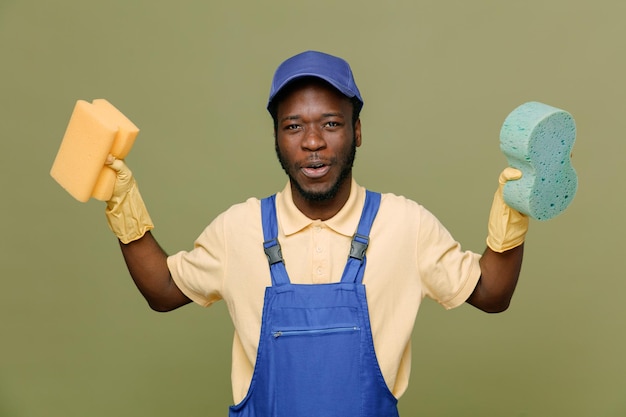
[[538, 139], [94, 131]]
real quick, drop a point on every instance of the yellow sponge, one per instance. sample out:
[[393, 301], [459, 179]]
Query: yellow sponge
[[94, 131]]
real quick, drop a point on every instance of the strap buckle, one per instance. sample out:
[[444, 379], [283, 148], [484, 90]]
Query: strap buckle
[[272, 251], [359, 246]]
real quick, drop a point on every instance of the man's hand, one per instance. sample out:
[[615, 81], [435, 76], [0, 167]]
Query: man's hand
[[126, 212], [507, 226]]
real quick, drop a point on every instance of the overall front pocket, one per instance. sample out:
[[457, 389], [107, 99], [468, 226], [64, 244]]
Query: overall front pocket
[[314, 332], [317, 367]]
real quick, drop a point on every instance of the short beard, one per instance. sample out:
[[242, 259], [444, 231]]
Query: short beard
[[348, 163]]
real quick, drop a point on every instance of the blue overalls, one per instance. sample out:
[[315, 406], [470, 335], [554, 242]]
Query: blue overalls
[[316, 354]]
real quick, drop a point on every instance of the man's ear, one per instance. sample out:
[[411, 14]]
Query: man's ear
[[357, 132]]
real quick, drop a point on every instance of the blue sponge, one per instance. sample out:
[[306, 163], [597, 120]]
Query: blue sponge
[[537, 139]]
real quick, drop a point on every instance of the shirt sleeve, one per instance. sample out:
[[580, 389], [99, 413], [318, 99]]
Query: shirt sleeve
[[449, 274], [199, 273]]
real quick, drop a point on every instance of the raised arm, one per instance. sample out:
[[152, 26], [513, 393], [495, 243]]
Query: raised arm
[[501, 262], [146, 261], [498, 279]]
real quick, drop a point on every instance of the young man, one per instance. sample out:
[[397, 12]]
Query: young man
[[339, 344]]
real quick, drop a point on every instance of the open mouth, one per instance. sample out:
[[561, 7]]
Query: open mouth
[[315, 170]]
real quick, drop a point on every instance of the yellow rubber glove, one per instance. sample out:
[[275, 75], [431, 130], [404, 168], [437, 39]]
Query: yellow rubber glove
[[507, 226], [126, 212]]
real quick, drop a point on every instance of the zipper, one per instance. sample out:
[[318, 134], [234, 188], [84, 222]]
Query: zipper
[[280, 333]]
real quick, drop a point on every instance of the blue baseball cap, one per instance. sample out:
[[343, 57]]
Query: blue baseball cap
[[329, 68]]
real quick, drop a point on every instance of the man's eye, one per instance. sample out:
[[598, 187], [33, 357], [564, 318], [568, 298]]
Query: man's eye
[[292, 127], [332, 124]]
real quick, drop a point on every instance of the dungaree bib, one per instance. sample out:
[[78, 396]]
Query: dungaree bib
[[316, 354]]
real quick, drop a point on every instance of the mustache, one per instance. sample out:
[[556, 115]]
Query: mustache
[[315, 160]]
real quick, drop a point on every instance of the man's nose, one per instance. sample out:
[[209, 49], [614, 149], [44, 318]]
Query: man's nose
[[313, 139]]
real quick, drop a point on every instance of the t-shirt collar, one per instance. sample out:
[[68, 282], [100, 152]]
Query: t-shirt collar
[[292, 220]]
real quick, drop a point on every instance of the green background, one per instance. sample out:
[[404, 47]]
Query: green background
[[438, 79]]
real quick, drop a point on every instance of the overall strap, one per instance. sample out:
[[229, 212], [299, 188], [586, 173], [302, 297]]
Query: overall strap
[[270, 244], [355, 267]]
